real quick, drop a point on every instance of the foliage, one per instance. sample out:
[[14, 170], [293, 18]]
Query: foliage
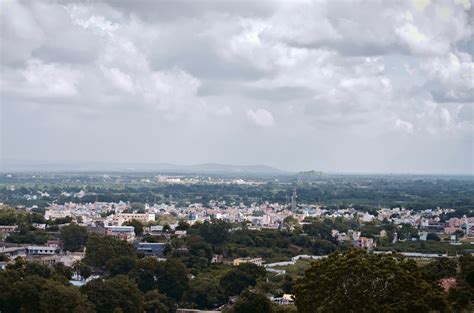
[[138, 226], [37, 237], [115, 293], [440, 268], [370, 283], [169, 277], [101, 249], [32, 287], [239, 278], [251, 302], [120, 265], [155, 302], [204, 293], [215, 233], [74, 237]]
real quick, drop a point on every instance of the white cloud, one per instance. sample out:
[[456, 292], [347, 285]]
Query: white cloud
[[261, 117], [404, 126], [48, 80], [330, 71]]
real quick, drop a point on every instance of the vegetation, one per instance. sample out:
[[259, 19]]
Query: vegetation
[[379, 283], [74, 237]]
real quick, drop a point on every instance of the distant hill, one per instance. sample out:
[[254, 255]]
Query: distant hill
[[207, 168], [309, 174]]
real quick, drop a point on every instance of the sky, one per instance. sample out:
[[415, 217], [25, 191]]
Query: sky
[[338, 86]]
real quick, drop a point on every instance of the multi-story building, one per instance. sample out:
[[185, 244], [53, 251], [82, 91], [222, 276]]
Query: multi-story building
[[122, 232], [256, 261]]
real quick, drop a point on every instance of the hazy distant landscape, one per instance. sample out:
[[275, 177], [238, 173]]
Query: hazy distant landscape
[[234, 156]]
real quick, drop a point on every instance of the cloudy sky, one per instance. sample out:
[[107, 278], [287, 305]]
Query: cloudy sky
[[338, 86]]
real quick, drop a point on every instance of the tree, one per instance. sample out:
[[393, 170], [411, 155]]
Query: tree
[[432, 236], [290, 222], [172, 278], [467, 269], [237, 279], [370, 283], [58, 298], [156, 302], [204, 293], [31, 293], [215, 233], [100, 249], [137, 225], [82, 269], [440, 268], [144, 274], [462, 296], [137, 206], [319, 229], [169, 277], [74, 237], [252, 302], [120, 265], [182, 225], [115, 293]]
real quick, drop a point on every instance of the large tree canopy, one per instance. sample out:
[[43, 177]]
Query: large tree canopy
[[359, 282], [74, 237]]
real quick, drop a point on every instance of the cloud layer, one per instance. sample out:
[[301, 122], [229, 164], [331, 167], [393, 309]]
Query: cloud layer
[[361, 86]]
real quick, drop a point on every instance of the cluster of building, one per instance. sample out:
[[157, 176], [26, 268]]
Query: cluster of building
[[267, 215], [49, 254], [114, 220]]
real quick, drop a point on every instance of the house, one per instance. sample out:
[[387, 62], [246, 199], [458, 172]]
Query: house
[[180, 233], [6, 229], [121, 218], [217, 258], [68, 259], [42, 250], [13, 252], [151, 249], [55, 243], [39, 226], [154, 230], [365, 243], [285, 299], [256, 261], [122, 232], [423, 235]]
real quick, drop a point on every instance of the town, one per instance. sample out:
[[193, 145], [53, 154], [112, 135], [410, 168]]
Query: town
[[216, 237]]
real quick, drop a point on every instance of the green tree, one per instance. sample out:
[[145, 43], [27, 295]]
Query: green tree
[[58, 298], [252, 302], [156, 302], [144, 274], [115, 293], [432, 236], [440, 268], [172, 278], [138, 226], [82, 269], [368, 283], [169, 277], [182, 225], [74, 237], [462, 296], [120, 265], [101, 249], [21, 291], [216, 233], [204, 293], [239, 278]]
